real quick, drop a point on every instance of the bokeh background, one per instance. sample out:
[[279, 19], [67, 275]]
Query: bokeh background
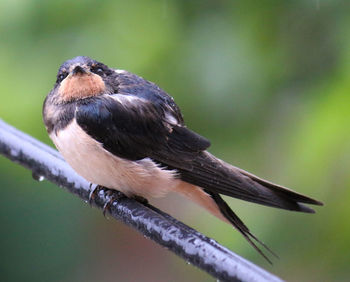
[[266, 81]]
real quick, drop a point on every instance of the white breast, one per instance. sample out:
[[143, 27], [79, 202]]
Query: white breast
[[89, 159]]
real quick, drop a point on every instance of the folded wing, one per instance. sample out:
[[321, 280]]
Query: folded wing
[[133, 128]]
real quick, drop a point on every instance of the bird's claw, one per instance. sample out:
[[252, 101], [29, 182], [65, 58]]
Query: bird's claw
[[111, 196], [94, 192], [110, 199]]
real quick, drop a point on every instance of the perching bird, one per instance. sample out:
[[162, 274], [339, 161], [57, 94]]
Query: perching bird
[[123, 132]]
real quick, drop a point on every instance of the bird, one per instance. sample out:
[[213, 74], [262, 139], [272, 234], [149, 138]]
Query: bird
[[123, 132]]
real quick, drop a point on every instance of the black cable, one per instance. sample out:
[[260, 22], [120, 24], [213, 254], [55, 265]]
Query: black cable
[[158, 226]]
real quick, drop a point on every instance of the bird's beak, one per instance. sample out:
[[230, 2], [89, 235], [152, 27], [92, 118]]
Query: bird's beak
[[79, 70]]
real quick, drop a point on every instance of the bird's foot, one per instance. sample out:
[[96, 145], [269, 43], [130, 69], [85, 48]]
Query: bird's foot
[[94, 191], [111, 196]]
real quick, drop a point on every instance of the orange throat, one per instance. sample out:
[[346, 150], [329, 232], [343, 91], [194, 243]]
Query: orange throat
[[81, 86]]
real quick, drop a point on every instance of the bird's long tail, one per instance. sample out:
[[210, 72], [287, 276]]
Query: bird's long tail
[[211, 177], [218, 177], [218, 207]]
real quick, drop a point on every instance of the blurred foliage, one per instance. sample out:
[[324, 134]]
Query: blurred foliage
[[266, 81]]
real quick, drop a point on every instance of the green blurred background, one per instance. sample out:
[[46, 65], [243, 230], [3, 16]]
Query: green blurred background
[[266, 81]]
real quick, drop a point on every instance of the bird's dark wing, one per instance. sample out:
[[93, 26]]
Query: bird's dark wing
[[134, 128], [132, 84]]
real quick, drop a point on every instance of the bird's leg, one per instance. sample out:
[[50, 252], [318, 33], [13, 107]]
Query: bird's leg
[[111, 195], [94, 192]]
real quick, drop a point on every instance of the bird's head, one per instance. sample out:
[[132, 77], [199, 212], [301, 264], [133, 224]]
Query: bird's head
[[82, 77]]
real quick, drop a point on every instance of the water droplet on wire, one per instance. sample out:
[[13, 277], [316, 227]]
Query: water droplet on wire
[[37, 176]]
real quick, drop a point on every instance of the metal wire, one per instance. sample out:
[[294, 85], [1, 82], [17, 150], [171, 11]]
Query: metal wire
[[158, 226]]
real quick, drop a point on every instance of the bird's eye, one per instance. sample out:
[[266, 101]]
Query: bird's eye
[[61, 76], [97, 70]]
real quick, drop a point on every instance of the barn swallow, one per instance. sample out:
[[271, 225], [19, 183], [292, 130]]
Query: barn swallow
[[125, 133]]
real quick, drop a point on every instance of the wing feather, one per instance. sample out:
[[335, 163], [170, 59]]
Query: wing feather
[[135, 128]]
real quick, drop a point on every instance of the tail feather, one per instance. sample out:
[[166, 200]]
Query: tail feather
[[228, 213], [216, 176], [281, 190], [213, 203]]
